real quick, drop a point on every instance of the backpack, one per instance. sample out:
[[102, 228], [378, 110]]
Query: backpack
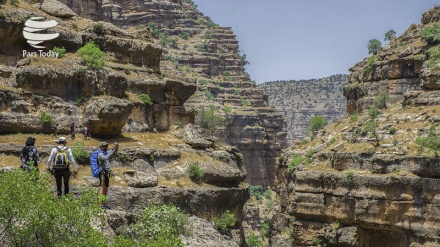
[[61, 160], [27, 154], [94, 164]]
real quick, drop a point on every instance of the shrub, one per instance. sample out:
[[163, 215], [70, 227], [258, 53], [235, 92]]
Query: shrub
[[92, 56], [159, 222], [184, 35], [209, 119], [98, 28], [227, 109], [354, 117], [146, 99], [30, 216], [432, 141], [381, 100], [256, 191], [45, 119], [254, 241], [294, 163], [304, 142], [60, 50], [80, 154], [123, 157], [431, 33], [209, 95], [268, 194], [226, 221], [389, 35], [371, 63], [140, 26], [310, 153], [349, 178], [373, 112], [393, 130], [316, 123], [434, 57], [178, 124], [195, 173]]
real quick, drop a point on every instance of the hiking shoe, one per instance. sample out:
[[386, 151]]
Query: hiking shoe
[[104, 207]]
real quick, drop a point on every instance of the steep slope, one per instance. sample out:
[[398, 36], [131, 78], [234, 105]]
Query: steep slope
[[299, 101], [372, 179], [197, 49]]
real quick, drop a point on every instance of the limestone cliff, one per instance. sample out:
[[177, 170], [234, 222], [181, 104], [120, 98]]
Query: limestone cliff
[[299, 101], [196, 48], [371, 179]]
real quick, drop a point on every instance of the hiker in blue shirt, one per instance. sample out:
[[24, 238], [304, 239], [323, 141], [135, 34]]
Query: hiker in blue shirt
[[60, 159]]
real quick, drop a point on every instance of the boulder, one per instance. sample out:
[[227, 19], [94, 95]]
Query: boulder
[[195, 137], [58, 9], [139, 179]]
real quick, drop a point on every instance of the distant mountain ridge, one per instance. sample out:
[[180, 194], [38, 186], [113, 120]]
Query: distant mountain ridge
[[298, 101]]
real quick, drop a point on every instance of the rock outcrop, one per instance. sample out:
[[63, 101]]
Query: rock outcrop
[[299, 101], [371, 179]]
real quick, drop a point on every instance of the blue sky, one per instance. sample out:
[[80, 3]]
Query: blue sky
[[294, 40]]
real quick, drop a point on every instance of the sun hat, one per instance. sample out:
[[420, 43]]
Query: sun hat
[[62, 139], [102, 144]]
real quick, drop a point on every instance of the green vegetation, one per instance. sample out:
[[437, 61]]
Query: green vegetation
[[227, 109], [254, 241], [179, 124], [373, 46], [226, 75], [123, 157], [373, 112], [434, 58], [45, 119], [146, 99], [390, 34], [2, 16], [316, 123], [98, 28], [153, 26], [310, 153], [256, 191], [209, 95], [294, 163], [195, 173], [371, 63], [432, 141], [431, 33], [381, 100], [226, 221], [209, 118], [60, 50], [304, 142], [92, 57], [184, 35], [80, 154], [393, 130], [354, 117], [349, 179], [280, 159], [30, 216]]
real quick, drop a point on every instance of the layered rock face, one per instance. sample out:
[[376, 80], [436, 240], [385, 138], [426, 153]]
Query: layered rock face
[[299, 101], [371, 179], [209, 54]]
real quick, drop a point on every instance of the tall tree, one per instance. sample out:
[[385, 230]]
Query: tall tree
[[373, 46], [389, 35]]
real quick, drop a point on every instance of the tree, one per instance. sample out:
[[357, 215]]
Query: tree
[[92, 56], [389, 35], [381, 100], [373, 46], [316, 123]]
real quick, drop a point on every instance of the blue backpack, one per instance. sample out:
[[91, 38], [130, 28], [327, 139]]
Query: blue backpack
[[94, 163]]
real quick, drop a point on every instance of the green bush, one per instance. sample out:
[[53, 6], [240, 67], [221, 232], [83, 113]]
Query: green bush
[[146, 99], [209, 95], [373, 46], [295, 162], [267, 194], [226, 221], [256, 191], [316, 123], [389, 35], [432, 141], [209, 118], [349, 179], [393, 130], [60, 50], [30, 216], [195, 173], [373, 112], [431, 33], [98, 28], [123, 157], [254, 241], [80, 154], [227, 109], [310, 153], [371, 63], [354, 117], [45, 119], [434, 58], [184, 35], [92, 56], [159, 223], [381, 100]]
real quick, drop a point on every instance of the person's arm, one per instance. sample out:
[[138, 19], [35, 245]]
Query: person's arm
[[72, 159], [37, 155], [107, 156], [52, 155]]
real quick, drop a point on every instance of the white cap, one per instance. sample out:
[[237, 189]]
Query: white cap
[[62, 139]]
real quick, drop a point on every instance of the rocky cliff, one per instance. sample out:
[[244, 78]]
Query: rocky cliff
[[141, 92], [299, 101], [372, 179]]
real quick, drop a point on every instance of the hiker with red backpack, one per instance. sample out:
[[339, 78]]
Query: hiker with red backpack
[[100, 165], [29, 155], [60, 159]]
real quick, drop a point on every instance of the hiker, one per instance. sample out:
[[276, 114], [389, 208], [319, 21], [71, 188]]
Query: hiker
[[72, 131], [84, 131], [89, 131], [60, 159], [55, 130], [29, 155], [100, 165]]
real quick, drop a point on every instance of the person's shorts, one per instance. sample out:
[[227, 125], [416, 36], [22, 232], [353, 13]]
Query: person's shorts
[[104, 180]]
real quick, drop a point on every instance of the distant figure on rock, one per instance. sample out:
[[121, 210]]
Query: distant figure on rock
[[72, 131], [55, 130], [29, 155], [100, 165], [89, 131], [84, 132], [60, 159]]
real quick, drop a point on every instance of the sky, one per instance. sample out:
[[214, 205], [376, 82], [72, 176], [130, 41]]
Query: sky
[[310, 39]]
